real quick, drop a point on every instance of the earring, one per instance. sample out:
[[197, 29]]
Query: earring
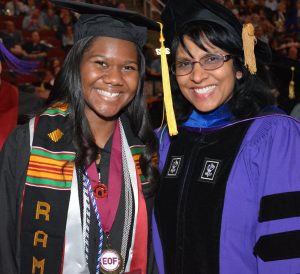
[[239, 75]]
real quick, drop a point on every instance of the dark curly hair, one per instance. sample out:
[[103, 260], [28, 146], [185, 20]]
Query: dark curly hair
[[67, 88], [250, 95]]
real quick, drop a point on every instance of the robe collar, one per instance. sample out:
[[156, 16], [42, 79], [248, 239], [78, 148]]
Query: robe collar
[[217, 118]]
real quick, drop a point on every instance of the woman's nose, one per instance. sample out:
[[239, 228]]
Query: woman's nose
[[113, 76], [198, 73]]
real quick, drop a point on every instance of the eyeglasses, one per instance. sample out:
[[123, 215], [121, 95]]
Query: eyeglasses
[[207, 62]]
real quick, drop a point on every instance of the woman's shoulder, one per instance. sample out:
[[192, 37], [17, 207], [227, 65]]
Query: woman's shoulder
[[16, 150], [20, 130], [277, 120], [273, 126], [18, 137]]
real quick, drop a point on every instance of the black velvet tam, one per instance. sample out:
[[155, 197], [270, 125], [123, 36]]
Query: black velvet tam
[[96, 20], [177, 13]]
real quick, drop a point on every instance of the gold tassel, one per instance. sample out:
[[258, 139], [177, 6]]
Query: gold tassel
[[249, 41], [292, 85], [166, 86]]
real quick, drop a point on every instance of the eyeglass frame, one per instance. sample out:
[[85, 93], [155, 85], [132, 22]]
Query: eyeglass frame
[[226, 58]]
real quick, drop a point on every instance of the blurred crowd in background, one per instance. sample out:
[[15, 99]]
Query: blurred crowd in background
[[36, 30]]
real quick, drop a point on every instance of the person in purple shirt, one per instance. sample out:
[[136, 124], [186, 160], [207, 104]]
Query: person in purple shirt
[[229, 197]]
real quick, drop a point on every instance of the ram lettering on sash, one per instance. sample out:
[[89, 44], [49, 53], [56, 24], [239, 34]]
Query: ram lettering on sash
[[40, 237], [38, 264]]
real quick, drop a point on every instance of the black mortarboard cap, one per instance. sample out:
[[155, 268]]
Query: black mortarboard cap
[[97, 20], [178, 12]]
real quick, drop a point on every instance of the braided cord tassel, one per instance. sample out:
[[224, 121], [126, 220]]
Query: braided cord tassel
[[86, 219], [98, 221]]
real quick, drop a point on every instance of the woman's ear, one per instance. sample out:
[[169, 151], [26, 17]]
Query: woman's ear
[[239, 75]]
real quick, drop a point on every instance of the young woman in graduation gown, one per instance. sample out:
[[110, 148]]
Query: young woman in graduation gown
[[74, 181]]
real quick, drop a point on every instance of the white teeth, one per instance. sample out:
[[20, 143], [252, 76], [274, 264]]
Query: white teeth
[[107, 93], [204, 90]]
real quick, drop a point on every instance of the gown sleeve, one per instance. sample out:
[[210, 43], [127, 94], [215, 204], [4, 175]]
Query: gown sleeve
[[164, 141], [13, 165], [263, 195]]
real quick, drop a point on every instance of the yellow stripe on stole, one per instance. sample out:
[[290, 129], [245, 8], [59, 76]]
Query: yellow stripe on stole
[[48, 175], [58, 163], [41, 167]]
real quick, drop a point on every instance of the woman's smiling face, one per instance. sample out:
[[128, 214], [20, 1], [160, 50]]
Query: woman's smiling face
[[206, 90], [109, 75]]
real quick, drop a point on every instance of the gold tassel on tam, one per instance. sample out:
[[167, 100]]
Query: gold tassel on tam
[[249, 41], [166, 86], [292, 85]]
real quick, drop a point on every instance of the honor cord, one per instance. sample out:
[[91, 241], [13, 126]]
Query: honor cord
[[98, 221]]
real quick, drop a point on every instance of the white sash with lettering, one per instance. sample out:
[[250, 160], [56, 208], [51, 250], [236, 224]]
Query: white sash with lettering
[[74, 258]]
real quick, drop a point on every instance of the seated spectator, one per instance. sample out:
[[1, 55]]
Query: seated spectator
[[268, 28], [12, 39], [34, 21], [45, 4], [279, 17], [66, 19], [260, 33], [11, 31], [13, 36], [16, 7], [67, 39], [54, 66], [43, 90], [35, 48], [31, 4], [51, 20]]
